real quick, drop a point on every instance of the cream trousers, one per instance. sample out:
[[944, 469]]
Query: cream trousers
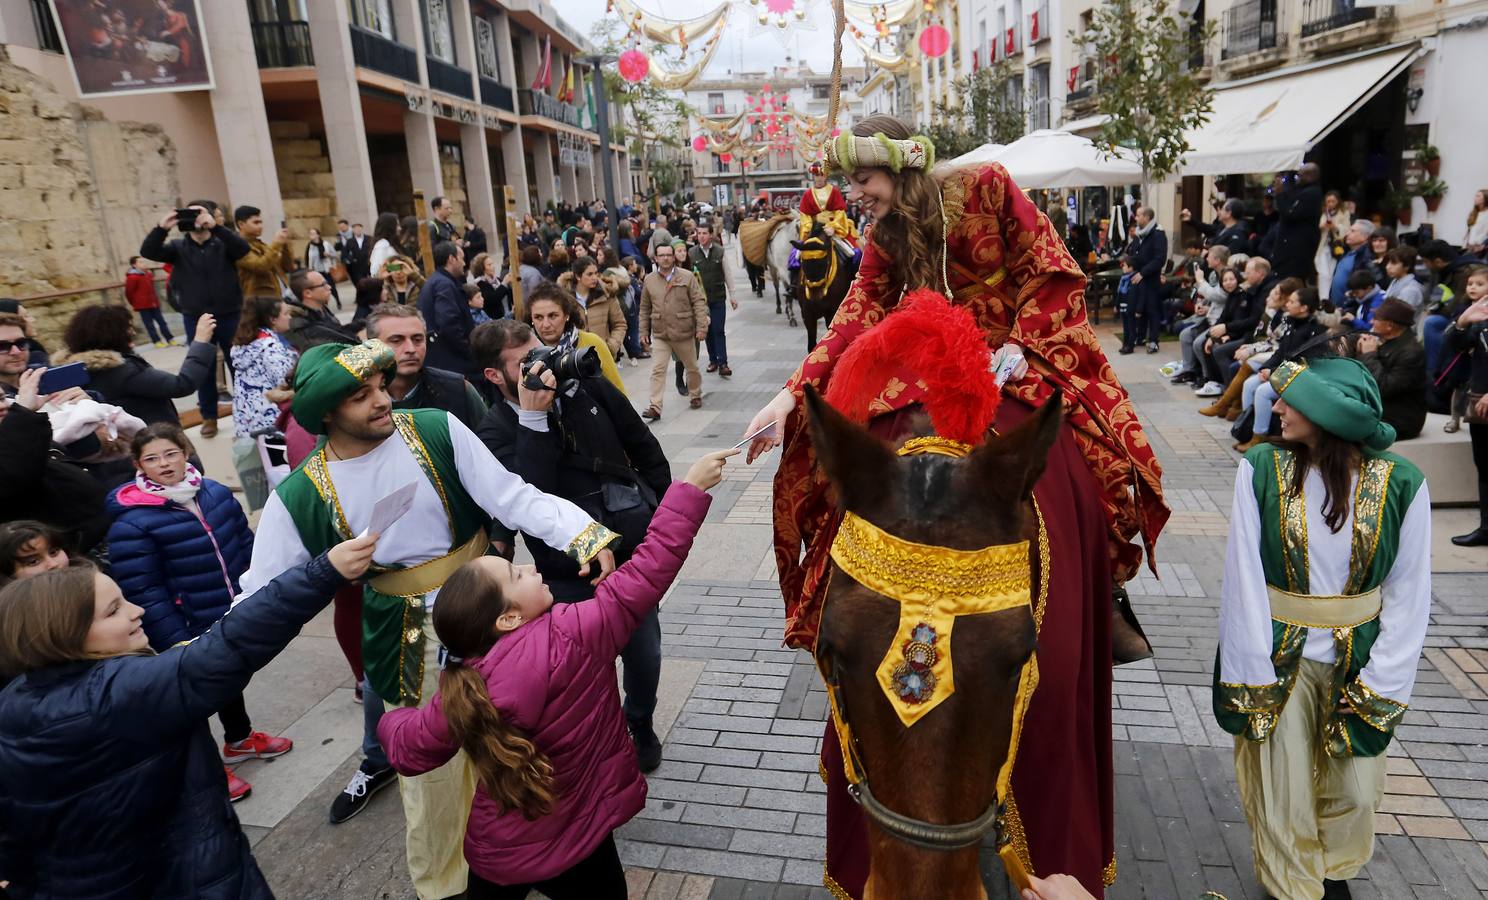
[[1311, 816]]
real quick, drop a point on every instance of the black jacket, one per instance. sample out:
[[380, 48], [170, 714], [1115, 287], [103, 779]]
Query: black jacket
[[597, 423], [110, 781], [446, 312], [313, 327], [449, 391], [127, 381], [1473, 341], [356, 258], [1236, 236], [1296, 338], [1243, 311], [1298, 209], [37, 483], [204, 276], [1150, 255], [1399, 368]]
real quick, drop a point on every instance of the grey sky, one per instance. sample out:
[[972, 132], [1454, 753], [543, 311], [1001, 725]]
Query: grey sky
[[747, 46]]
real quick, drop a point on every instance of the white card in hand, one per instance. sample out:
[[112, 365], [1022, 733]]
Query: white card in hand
[[390, 509]]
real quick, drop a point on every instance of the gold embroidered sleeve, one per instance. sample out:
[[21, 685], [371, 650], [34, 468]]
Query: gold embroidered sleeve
[[594, 538], [1251, 698], [1379, 712]]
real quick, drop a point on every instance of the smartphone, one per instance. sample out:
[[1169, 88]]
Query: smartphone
[[186, 218], [61, 378], [393, 267]]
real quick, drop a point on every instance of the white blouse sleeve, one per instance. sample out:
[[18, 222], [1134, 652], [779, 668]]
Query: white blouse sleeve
[[1406, 608], [1244, 607], [276, 548]]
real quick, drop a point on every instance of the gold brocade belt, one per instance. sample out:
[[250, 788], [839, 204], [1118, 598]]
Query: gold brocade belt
[[416, 581], [1313, 611]]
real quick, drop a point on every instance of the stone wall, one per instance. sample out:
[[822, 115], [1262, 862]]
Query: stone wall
[[305, 183], [77, 195]]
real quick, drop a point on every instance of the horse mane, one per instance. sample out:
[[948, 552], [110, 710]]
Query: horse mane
[[937, 343]]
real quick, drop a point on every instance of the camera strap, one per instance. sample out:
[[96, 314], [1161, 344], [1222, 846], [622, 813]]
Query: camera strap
[[595, 466]]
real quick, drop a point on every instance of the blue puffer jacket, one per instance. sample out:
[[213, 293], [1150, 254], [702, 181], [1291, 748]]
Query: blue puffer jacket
[[111, 785], [183, 574]]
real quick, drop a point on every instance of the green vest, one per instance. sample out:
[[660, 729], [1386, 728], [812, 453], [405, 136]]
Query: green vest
[[392, 626], [709, 269], [1387, 485]]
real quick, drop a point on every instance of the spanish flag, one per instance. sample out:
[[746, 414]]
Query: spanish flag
[[566, 92]]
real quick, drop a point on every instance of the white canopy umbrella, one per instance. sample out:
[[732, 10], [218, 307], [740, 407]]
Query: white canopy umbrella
[[1058, 159], [983, 154]]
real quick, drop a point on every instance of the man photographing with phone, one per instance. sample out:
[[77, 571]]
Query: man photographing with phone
[[204, 280]]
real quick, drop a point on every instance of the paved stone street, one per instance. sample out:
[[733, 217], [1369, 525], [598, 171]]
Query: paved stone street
[[736, 810]]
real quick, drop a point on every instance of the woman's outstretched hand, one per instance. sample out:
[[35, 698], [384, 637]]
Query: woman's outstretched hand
[[774, 413]]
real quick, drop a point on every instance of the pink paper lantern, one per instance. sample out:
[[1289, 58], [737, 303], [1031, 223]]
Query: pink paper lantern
[[935, 41], [634, 65], [700, 143], [725, 158], [836, 131]]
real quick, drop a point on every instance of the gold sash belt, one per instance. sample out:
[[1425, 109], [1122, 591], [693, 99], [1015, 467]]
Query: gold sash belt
[[1312, 611], [415, 581]]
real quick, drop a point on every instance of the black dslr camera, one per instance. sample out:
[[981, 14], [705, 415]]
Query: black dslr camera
[[566, 365]]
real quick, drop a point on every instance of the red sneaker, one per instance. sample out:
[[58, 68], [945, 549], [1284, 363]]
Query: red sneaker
[[237, 788], [257, 746]]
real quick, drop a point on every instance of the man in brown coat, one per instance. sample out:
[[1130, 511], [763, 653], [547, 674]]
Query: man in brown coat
[[674, 313], [264, 271]]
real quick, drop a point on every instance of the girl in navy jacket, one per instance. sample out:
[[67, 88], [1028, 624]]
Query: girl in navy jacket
[[177, 546]]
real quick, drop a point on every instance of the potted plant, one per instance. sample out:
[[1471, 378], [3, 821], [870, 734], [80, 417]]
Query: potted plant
[[1400, 201], [1430, 158], [1431, 190]]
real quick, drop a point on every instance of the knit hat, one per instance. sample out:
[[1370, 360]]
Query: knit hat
[[1337, 394], [1396, 310], [330, 373]]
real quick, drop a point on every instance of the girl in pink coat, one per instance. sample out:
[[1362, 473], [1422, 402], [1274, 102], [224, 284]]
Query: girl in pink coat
[[529, 693]]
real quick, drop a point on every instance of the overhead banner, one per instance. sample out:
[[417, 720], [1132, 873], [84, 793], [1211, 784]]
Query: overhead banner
[[134, 46]]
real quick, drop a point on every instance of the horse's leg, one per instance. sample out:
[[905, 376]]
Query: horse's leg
[[791, 299], [775, 280]]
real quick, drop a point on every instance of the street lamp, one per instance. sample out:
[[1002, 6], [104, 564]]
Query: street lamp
[[596, 61]]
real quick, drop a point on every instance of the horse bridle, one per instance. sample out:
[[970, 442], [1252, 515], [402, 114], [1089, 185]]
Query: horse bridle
[[918, 832], [819, 286]]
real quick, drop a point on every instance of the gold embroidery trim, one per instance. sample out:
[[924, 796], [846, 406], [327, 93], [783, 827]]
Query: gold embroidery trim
[[833, 888], [1017, 838], [1314, 611], [932, 444], [953, 195], [594, 538], [1369, 507], [403, 421], [1293, 523], [1378, 711], [1108, 874], [319, 474], [972, 581], [1285, 374], [362, 360]]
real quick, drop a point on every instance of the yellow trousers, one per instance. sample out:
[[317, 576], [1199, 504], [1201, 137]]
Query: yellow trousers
[[436, 806], [1311, 816]]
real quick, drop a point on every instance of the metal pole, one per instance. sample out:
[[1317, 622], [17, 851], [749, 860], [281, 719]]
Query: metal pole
[[602, 116]]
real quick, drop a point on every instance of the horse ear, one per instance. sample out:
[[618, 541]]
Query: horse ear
[[797, 245], [1019, 457], [854, 460]]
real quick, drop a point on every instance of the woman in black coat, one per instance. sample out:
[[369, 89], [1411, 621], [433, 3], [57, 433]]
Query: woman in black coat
[[36, 482], [110, 782], [101, 338]]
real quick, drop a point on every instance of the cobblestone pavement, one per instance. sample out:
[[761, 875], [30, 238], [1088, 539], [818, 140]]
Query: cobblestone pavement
[[736, 810]]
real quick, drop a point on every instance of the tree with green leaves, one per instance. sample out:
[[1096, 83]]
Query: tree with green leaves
[[649, 115], [988, 105], [1148, 87]]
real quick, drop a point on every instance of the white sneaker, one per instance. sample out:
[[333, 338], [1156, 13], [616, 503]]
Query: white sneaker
[[1210, 389]]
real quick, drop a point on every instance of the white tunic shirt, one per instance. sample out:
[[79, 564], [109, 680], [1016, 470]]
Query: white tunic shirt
[[1245, 608], [423, 533]]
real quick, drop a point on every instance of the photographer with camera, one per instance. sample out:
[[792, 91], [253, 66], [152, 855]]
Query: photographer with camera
[[1299, 206], [559, 321], [1229, 229], [567, 431]]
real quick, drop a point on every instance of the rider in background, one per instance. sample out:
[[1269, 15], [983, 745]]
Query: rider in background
[[824, 203]]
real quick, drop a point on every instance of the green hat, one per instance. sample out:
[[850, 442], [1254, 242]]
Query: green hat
[[1337, 394], [330, 373]]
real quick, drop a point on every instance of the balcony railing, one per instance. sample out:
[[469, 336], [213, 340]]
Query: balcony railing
[[1319, 16], [1252, 26], [371, 50], [282, 45], [494, 93], [536, 103], [449, 79]]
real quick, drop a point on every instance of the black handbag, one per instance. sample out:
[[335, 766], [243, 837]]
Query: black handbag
[[1244, 427]]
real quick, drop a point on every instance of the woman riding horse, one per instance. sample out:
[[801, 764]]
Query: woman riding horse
[[973, 234]]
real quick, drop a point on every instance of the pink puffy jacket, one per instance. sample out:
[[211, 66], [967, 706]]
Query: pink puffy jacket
[[554, 678]]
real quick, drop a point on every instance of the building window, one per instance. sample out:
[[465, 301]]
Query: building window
[[47, 37], [485, 48], [821, 92], [715, 104], [440, 39], [1039, 107], [374, 15]]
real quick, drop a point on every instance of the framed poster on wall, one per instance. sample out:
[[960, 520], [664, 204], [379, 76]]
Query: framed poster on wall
[[123, 47]]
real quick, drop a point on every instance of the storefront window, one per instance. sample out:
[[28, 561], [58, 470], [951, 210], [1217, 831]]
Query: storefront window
[[485, 48], [374, 15], [441, 41]]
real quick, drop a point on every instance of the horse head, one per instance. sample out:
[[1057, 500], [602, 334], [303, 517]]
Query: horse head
[[935, 535], [818, 263]]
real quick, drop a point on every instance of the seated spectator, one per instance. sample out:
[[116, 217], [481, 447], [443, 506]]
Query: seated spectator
[[1400, 265], [1394, 355], [1298, 340], [1232, 331], [178, 544], [1380, 243], [417, 385], [311, 321], [102, 339], [1210, 296], [559, 321], [1249, 357], [1363, 298]]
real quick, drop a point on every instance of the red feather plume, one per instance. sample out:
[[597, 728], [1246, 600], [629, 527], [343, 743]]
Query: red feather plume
[[925, 338]]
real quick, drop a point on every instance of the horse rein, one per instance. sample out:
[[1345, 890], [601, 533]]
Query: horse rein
[[933, 586]]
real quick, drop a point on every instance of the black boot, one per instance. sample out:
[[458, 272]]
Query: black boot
[[1475, 538], [1129, 643], [1336, 890], [647, 744]]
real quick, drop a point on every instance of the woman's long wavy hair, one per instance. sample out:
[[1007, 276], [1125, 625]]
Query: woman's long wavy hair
[[912, 235], [1337, 461], [515, 773]]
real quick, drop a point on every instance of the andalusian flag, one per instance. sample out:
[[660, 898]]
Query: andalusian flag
[[566, 92]]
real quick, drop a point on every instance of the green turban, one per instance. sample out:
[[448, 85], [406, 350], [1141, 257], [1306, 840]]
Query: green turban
[[330, 373], [1337, 394]]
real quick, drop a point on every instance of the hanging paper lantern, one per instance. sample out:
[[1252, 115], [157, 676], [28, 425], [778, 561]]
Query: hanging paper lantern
[[725, 158], [935, 41], [634, 65], [836, 131], [700, 143]]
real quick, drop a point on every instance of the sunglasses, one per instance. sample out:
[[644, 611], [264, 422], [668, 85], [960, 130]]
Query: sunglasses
[[23, 345]]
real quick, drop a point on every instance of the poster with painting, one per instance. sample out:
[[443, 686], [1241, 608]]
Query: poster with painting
[[121, 47]]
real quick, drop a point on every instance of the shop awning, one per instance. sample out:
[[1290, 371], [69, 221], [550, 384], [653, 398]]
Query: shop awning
[[1267, 123]]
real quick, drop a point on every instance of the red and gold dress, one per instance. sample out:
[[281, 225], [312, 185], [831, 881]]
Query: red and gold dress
[[1009, 268]]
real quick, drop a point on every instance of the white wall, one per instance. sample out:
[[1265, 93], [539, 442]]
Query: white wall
[[1451, 104]]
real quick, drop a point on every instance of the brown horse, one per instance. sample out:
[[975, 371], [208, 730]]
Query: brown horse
[[934, 784], [822, 282]]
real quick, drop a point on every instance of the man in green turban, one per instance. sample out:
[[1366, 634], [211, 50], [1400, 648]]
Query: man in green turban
[[367, 452], [1323, 614]]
